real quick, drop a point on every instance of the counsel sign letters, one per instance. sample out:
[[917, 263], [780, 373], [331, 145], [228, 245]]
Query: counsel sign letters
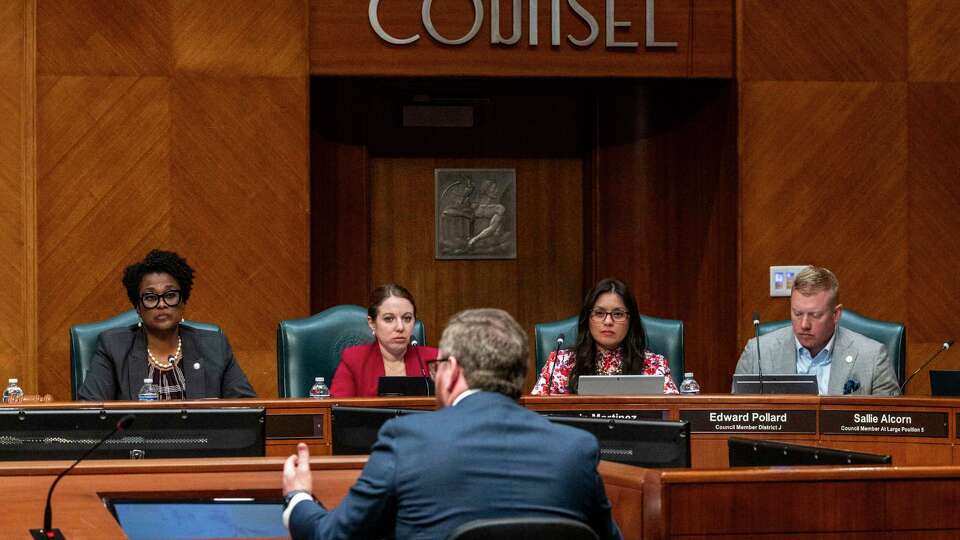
[[589, 20]]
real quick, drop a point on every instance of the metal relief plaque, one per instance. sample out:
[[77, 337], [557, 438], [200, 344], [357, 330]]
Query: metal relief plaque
[[621, 414], [884, 423], [750, 421], [476, 213]]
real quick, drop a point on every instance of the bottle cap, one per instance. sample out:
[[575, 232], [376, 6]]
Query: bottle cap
[[318, 379], [148, 380], [12, 381], [688, 375]]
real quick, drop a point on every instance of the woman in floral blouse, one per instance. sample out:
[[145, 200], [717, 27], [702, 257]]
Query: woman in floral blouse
[[610, 341]]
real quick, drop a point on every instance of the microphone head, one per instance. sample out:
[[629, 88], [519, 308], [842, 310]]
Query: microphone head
[[947, 344], [125, 422], [413, 343], [756, 318], [560, 339]]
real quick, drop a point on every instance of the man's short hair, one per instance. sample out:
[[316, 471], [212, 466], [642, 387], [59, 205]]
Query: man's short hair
[[490, 347], [814, 279]]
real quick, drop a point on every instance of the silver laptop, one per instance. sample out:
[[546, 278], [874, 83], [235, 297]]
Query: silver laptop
[[620, 385]]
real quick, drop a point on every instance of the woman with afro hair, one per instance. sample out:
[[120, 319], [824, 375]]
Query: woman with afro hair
[[185, 362]]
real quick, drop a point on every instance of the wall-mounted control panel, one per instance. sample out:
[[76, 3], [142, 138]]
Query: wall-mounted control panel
[[781, 279]]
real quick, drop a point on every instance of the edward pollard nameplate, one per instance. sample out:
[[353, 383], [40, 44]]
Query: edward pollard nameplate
[[750, 421], [884, 423]]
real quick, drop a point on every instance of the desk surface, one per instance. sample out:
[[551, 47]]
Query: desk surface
[[811, 420]]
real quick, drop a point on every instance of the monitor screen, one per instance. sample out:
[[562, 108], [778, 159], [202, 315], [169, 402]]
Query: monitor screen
[[194, 519], [760, 453], [355, 429], [36, 434], [644, 443]]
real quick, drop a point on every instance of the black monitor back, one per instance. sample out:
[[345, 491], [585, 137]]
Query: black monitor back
[[644, 443], [759, 453], [355, 429], [37, 434]]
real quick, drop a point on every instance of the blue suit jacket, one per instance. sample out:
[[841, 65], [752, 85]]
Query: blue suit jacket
[[485, 457]]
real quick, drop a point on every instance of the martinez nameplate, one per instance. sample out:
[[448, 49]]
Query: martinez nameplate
[[629, 414], [750, 421], [884, 423]]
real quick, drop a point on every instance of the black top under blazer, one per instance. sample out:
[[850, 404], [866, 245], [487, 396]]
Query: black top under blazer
[[120, 366]]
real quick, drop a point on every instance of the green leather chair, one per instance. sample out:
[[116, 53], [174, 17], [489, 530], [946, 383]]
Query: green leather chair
[[664, 336], [310, 347], [891, 334], [83, 343]]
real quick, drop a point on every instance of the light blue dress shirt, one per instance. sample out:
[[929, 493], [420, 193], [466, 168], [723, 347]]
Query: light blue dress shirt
[[818, 365]]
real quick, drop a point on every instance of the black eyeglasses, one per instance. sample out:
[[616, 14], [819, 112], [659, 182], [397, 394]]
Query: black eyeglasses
[[152, 300], [434, 364], [601, 315]]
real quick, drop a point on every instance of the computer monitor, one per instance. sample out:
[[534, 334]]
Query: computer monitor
[[38, 434], [405, 386], [944, 383], [355, 429], [759, 453], [620, 385], [644, 443], [198, 517], [785, 383]]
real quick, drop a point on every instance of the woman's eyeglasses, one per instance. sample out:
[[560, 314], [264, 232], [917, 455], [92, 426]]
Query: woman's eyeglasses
[[151, 300], [617, 315]]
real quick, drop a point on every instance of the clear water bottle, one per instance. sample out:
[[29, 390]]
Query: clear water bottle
[[149, 391], [13, 392], [319, 390], [689, 386]]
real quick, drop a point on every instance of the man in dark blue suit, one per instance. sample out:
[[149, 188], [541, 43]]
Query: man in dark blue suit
[[481, 455]]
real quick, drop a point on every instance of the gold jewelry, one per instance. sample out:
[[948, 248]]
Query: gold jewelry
[[171, 359]]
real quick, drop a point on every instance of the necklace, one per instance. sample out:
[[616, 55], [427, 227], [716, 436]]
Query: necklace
[[171, 359]]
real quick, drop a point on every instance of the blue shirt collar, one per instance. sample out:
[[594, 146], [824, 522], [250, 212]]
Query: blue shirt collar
[[823, 356]]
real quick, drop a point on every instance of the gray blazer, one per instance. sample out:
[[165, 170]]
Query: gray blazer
[[120, 365], [855, 357]]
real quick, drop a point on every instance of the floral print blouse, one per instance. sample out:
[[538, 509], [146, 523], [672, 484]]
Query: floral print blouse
[[608, 363]]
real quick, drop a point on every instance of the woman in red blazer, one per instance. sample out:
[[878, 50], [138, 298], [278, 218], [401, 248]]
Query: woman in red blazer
[[391, 316]]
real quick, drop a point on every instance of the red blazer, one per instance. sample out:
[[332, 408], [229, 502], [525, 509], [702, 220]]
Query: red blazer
[[361, 367]]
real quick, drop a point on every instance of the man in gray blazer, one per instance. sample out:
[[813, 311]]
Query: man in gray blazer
[[844, 361]]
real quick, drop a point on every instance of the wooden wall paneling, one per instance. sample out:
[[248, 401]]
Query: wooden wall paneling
[[103, 201], [240, 208], [342, 42], [667, 211], [933, 40], [823, 181], [171, 125], [340, 194], [17, 193], [533, 128], [712, 38], [934, 246], [830, 40]]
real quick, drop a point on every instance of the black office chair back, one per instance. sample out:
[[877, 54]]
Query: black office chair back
[[524, 528]]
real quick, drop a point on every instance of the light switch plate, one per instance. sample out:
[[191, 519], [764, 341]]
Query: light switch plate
[[781, 279]]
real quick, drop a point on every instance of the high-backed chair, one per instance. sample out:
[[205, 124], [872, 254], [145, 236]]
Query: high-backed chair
[[891, 334], [524, 528], [310, 347], [664, 336], [83, 343]]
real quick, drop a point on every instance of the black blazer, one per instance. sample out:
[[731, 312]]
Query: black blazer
[[120, 365]]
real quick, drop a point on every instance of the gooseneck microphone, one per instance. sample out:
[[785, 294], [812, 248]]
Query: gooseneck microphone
[[556, 358], [48, 532], [946, 345], [756, 331], [423, 367]]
